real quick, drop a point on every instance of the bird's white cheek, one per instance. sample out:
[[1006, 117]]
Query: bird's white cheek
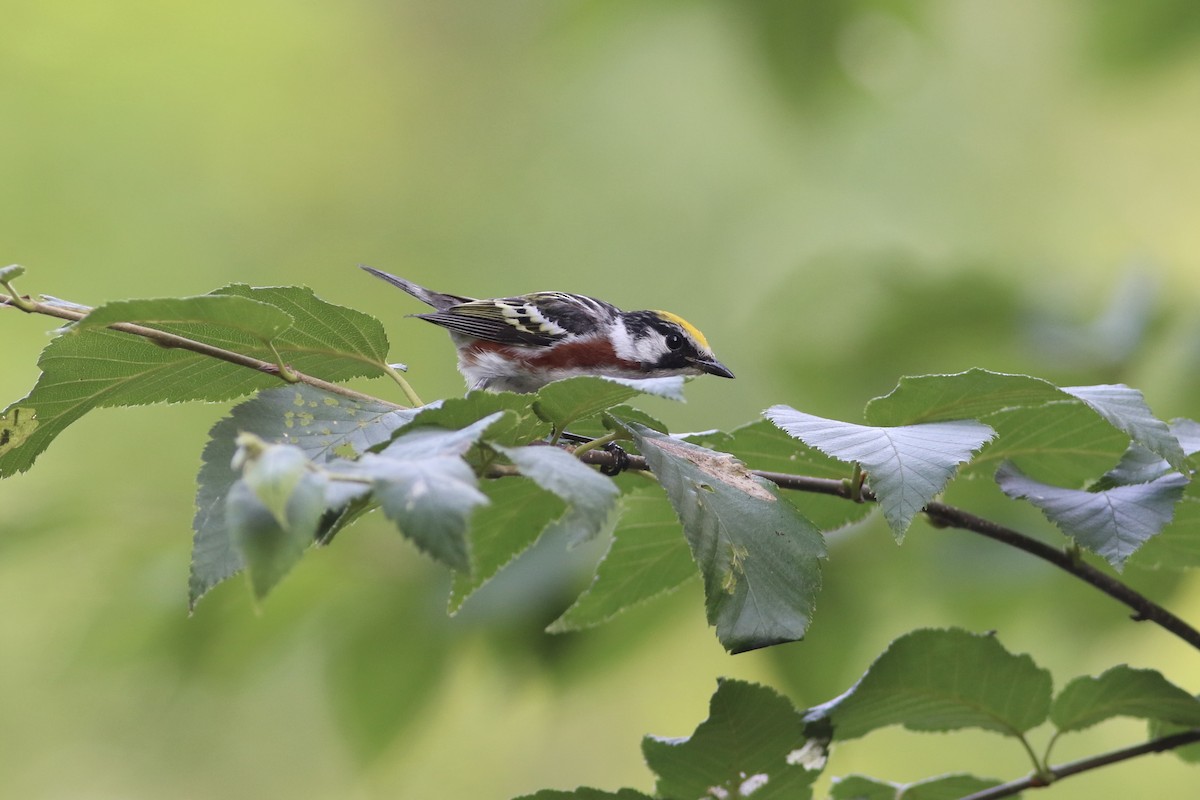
[[646, 350]]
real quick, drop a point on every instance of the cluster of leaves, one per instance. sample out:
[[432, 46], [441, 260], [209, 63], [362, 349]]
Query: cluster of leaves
[[473, 482], [756, 744], [91, 366], [1119, 473]]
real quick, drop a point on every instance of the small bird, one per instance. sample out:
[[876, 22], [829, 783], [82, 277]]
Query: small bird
[[519, 344]]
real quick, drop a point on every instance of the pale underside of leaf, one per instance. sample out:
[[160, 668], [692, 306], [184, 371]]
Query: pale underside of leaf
[[323, 425], [1112, 523], [907, 466]]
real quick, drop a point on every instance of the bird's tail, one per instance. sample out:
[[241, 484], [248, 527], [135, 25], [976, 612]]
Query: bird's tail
[[438, 300]]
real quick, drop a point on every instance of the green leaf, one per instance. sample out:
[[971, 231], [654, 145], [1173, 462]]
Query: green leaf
[[584, 793], [1067, 442], [271, 471], [943, 680], [520, 426], [759, 557], [98, 368], [750, 745], [907, 466], [974, 394], [425, 487], [1112, 523], [590, 496], [1123, 692], [428, 441], [860, 787], [102, 368], [378, 686], [1189, 753], [252, 317], [327, 340], [606, 422], [647, 557], [513, 520], [609, 419], [430, 500], [563, 402], [1177, 546], [323, 425], [270, 546], [17, 424], [1069, 433], [943, 787], [763, 446]]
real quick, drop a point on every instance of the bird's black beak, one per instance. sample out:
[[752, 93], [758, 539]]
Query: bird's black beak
[[711, 366]]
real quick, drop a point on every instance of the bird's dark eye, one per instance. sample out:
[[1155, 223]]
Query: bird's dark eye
[[674, 341]]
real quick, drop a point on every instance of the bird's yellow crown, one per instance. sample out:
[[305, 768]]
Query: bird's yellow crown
[[691, 329]]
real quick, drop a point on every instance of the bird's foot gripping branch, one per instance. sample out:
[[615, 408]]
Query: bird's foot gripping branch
[[475, 481]]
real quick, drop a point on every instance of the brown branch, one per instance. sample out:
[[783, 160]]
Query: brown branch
[[1146, 609], [172, 341], [1054, 774]]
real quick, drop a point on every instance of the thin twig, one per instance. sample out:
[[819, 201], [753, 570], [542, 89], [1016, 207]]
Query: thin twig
[[172, 341], [1054, 774], [404, 385], [1146, 609]]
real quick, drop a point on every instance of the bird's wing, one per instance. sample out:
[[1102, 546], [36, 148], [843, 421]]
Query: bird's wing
[[512, 320]]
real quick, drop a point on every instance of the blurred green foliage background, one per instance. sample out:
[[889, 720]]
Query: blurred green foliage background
[[838, 193]]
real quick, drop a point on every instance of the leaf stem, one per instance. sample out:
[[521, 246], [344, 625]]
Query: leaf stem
[[1038, 767], [170, 340], [857, 479], [285, 372], [1052, 774], [14, 299], [344, 478], [1050, 746], [405, 386], [597, 443]]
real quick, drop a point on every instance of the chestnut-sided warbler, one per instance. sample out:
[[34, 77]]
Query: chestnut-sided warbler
[[519, 344]]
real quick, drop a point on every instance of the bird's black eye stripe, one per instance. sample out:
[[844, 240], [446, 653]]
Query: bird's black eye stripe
[[674, 341]]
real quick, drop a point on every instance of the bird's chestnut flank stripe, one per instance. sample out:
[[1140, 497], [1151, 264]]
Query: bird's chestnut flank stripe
[[578, 354]]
